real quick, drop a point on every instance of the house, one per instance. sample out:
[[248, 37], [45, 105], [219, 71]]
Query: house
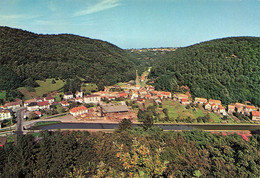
[[79, 100], [44, 105], [92, 99], [50, 99], [38, 99], [200, 101], [122, 95], [5, 114], [231, 109], [166, 94], [12, 105], [154, 92], [142, 92], [255, 115], [214, 107], [239, 108], [217, 102], [68, 96], [207, 106], [181, 96], [64, 103], [38, 113], [33, 106], [79, 94], [221, 109], [148, 96], [248, 109], [27, 102], [184, 101], [78, 111], [134, 94], [111, 98]]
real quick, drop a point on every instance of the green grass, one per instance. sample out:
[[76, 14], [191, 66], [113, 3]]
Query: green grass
[[57, 97], [59, 109], [45, 123], [3, 95], [198, 113], [215, 117], [89, 87], [47, 86], [172, 109], [10, 139], [44, 88]]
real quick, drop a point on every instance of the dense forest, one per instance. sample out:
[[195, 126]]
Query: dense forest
[[129, 152], [26, 57], [225, 69]]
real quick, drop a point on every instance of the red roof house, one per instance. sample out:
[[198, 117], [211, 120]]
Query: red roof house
[[78, 110]]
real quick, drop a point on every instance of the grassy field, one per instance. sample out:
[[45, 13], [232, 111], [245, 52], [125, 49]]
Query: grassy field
[[3, 95], [47, 86], [89, 87], [215, 117], [176, 110], [44, 88]]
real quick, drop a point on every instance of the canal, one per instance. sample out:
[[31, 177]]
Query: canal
[[107, 126]]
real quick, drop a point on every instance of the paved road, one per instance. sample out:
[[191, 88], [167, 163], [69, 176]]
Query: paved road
[[19, 124]]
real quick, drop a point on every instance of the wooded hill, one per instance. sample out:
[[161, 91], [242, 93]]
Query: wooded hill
[[26, 56], [225, 69]]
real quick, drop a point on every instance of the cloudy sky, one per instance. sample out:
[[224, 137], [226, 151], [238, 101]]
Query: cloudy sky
[[136, 23]]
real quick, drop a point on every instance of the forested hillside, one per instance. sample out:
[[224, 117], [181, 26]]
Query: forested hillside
[[225, 69], [25, 56], [131, 153]]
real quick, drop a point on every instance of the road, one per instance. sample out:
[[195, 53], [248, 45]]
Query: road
[[19, 124]]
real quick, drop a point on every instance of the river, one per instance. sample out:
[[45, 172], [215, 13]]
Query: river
[[221, 127]]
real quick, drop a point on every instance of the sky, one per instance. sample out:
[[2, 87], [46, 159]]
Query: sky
[[136, 23]]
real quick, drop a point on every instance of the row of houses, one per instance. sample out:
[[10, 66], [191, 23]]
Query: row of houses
[[216, 106]]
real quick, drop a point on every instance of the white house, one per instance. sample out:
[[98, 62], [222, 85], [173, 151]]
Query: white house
[[33, 106], [50, 99], [68, 96], [92, 99], [5, 114], [78, 111]]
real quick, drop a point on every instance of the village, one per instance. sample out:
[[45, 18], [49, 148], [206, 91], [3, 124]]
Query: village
[[118, 102]]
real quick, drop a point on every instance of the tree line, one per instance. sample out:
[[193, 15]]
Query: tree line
[[131, 152]]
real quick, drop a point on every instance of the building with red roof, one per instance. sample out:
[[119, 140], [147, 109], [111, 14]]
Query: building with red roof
[[122, 95], [217, 102], [200, 100], [255, 115], [12, 105], [166, 94], [50, 99], [78, 111], [64, 103], [44, 105], [249, 109], [184, 101], [27, 102]]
